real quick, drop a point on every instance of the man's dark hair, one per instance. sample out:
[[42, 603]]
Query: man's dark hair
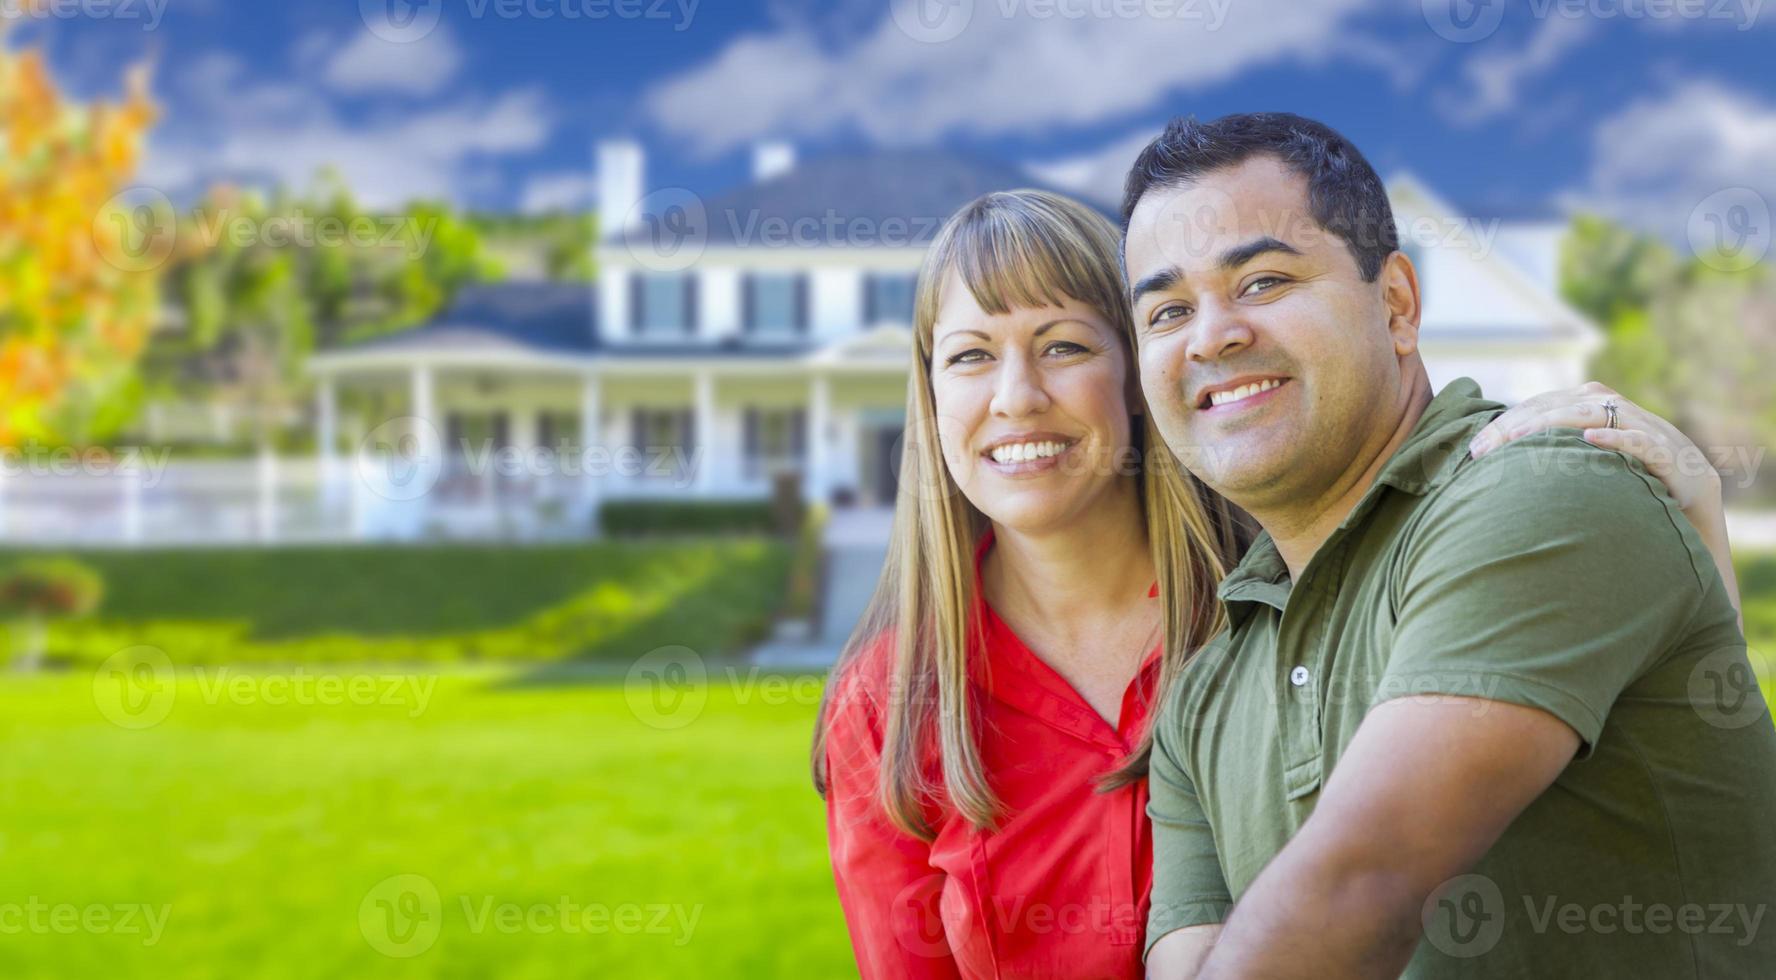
[[1343, 192]]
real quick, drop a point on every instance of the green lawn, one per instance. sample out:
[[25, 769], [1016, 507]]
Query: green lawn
[[610, 601], [497, 819], [528, 809]]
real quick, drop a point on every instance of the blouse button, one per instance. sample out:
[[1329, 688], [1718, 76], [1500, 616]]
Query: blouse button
[[1298, 676]]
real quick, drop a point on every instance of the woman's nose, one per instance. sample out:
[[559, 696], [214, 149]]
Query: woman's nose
[[1019, 389]]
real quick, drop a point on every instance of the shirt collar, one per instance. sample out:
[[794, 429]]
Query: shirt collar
[[1433, 451]]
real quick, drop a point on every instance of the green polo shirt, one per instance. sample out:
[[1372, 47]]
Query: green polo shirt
[[1549, 573]]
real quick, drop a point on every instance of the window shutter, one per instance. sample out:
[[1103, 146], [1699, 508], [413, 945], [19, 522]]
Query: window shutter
[[748, 304], [869, 299], [690, 303], [638, 429], [798, 433], [637, 298], [688, 426], [801, 302], [501, 430]]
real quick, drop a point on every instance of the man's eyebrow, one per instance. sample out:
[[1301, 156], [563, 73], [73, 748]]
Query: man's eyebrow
[[1239, 255], [1162, 280]]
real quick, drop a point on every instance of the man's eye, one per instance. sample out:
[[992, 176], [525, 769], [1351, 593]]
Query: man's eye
[[1167, 313], [1263, 281], [973, 355]]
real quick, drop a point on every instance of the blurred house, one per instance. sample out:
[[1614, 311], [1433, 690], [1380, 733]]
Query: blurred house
[[731, 343]]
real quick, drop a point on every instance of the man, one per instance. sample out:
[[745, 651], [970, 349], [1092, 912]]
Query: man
[[1473, 716]]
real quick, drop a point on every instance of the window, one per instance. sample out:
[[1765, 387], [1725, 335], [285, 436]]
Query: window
[[776, 303], [888, 297], [774, 441], [666, 439], [663, 304], [558, 432]]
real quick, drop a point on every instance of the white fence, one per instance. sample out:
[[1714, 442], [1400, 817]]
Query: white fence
[[275, 499]]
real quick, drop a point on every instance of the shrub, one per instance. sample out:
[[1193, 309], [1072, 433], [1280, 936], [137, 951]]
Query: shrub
[[626, 518]]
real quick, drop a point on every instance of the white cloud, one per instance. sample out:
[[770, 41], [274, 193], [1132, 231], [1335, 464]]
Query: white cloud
[[1656, 160], [1098, 174], [229, 127], [1496, 77], [564, 190], [369, 64], [1003, 74]]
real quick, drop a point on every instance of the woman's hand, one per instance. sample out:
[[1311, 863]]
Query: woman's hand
[[1666, 452]]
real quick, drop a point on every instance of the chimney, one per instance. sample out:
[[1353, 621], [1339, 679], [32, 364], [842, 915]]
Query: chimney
[[621, 183], [771, 158]]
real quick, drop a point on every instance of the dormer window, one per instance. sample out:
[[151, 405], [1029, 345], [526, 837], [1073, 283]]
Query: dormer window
[[888, 298], [663, 304], [776, 304]]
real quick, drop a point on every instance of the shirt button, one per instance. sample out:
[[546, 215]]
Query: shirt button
[[1298, 676]]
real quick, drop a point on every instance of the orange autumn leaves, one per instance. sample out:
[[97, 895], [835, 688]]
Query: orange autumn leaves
[[77, 286]]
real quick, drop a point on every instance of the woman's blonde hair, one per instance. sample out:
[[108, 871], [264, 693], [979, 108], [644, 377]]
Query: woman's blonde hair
[[1012, 249]]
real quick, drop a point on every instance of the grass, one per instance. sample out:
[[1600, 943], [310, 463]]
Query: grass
[[607, 601], [262, 828]]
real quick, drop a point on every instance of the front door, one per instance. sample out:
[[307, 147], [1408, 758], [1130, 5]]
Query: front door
[[883, 464]]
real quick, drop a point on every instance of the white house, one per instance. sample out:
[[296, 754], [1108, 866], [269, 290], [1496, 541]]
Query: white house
[[767, 331]]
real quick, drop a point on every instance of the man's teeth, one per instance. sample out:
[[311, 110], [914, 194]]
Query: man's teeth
[[1019, 452], [1243, 391]]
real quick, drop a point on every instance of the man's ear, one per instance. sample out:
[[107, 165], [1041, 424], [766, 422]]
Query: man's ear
[[1399, 296]]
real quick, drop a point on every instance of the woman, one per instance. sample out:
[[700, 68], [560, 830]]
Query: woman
[[983, 746]]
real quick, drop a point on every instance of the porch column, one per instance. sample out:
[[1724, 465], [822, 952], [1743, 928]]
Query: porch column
[[424, 429], [819, 415], [591, 436], [704, 437], [327, 435]]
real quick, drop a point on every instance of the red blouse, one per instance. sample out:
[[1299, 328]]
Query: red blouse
[[1060, 889]]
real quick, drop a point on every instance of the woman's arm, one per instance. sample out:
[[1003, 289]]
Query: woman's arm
[[887, 886], [1666, 452]]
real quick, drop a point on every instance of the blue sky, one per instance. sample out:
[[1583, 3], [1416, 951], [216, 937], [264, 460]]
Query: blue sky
[[1641, 108]]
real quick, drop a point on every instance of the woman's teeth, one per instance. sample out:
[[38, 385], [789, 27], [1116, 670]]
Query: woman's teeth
[[1243, 391], [1019, 452]]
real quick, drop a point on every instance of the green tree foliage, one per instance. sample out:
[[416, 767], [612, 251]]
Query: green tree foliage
[[1687, 338]]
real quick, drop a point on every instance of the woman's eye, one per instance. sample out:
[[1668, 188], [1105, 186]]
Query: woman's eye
[[1263, 281], [973, 355], [1065, 348]]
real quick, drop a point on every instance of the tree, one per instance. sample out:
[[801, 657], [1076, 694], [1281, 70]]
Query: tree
[[1686, 339], [77, 291]]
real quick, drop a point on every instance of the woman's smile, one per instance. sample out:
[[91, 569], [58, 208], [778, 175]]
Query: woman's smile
[[1028, 453]]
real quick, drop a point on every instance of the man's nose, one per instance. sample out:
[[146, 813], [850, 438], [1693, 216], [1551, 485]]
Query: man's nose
[[1218, 332]]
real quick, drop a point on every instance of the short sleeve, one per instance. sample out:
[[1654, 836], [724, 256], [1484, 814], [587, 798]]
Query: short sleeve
[[1188, 886], [1549, 573], [888, 889]]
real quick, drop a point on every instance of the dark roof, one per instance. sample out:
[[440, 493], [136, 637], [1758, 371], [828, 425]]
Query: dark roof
[[536, 316], [894, 198], [550, 317]]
